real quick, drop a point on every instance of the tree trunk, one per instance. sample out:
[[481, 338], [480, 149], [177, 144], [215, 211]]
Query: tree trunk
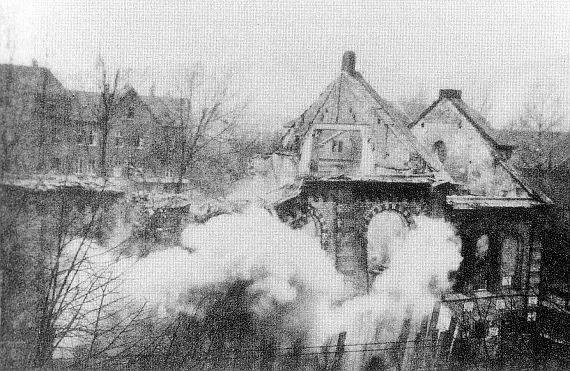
[[182, 170], [103, 160]]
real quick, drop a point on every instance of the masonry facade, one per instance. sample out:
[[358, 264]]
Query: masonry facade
[[360, 160], [47, 129]]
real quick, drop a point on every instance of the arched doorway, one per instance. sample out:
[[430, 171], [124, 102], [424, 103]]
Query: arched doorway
[[383, 230]]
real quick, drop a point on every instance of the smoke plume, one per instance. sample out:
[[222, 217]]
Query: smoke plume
[[287, 283]]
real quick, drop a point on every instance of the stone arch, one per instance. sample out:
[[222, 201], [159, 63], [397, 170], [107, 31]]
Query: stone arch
[[399, 208], [302, 217]]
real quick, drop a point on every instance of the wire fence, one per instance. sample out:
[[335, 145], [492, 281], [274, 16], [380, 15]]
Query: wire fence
[[423, 355]]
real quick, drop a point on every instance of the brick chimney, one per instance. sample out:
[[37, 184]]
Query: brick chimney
[[450, 94], [349, 62]]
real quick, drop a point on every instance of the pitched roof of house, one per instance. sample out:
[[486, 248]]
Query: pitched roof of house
[[165, 109], [479, 122], [528, 140], [351, 100], [84, 105], [28, 79]]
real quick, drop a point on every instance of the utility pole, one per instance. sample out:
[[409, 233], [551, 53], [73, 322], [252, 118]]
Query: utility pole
[[337, 361]]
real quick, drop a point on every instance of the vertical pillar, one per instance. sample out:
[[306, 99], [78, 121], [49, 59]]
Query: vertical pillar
[[534, 261], [350, 252]]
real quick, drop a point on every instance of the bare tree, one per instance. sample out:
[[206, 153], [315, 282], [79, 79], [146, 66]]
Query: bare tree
[[542, 117], [205, 115], [75, 292], [110, 92], [64, 285], [414, 105]]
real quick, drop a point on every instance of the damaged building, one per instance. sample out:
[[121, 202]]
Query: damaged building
[[353, 159]]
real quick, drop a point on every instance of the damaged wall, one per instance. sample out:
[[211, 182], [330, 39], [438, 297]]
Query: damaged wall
[[465, 154]]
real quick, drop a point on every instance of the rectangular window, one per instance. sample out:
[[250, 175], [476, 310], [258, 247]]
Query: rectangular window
[[80, 136], [92, 165], [137, 141], [119, 141], [55, 164], [54, 135], [336, 146], [79, 165], [91, 138]]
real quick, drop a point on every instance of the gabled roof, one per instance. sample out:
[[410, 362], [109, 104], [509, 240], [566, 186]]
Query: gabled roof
[[84, 105], [558, 143], [351, 100], [166, 110], [475, 118], [28, 79], [535, 192]]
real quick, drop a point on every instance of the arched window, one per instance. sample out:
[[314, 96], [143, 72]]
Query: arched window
[[440, 150], [383, 231], [510, 261]]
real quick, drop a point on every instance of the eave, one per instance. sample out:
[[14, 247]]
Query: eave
[[393, 178], [483, 202]]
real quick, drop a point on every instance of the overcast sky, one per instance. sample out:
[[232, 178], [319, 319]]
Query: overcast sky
[[282, 54]]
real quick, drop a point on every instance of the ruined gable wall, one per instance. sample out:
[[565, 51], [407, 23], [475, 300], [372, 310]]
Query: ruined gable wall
[[469, 158]]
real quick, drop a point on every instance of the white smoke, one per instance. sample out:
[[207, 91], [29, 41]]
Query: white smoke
[[253, 246], [419, 263], [289, 267]]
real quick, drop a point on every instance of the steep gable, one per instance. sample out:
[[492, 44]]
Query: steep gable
[[350, 104], [28, 79], [469, 149]]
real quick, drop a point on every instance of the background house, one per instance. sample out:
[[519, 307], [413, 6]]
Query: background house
[[47, 129]]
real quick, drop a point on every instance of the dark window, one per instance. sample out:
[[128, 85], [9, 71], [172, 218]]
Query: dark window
[[80, 137], [92, 166], [480, 329], [4, 100], [80, 165], [130, 112], [54, 134], [91, 138], [137, 141], [336, 145], [119, 140], [55, 164], [440, 150]]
